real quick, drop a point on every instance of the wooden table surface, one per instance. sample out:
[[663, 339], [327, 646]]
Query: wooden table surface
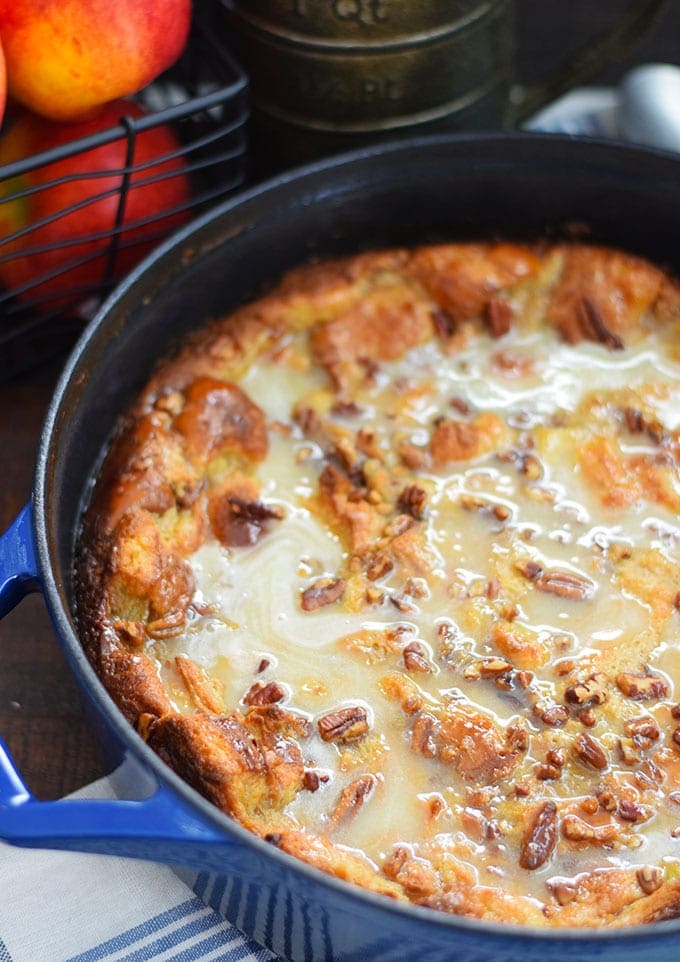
[[41, 716]]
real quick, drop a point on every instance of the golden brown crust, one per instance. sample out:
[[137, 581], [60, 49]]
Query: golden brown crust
[[584, 752]]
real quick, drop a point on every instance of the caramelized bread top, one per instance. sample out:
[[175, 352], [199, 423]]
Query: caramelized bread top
[[386, 565]]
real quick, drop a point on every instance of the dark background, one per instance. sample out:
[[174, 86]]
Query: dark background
[[549, 29]]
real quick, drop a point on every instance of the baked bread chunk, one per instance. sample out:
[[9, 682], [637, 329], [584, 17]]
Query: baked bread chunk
[[386, 564]]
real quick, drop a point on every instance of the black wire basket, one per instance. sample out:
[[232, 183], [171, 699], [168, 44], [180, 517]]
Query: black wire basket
[[204, 99]]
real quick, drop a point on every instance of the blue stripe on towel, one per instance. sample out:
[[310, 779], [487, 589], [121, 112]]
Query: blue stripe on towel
[[203, 933], [126, 939], [4, 953]]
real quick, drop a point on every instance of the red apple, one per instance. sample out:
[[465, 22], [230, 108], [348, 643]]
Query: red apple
[[81, 234], [67, 57]]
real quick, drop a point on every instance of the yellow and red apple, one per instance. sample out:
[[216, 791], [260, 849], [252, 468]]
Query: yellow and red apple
[[60, 256], [65, 58]]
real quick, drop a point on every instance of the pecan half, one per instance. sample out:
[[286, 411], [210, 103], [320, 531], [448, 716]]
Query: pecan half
[[415, 657], [261, 694], [344, 725], [498, 316], [540, 838], [593, 326], [590, 752], [352, 798], [565, 584], [323, 592]]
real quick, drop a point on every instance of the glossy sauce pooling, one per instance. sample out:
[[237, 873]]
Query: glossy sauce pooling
[[387, 565], [520, 586]]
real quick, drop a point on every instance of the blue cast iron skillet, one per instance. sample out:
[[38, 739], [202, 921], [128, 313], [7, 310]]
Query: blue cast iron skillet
[[452, 187]]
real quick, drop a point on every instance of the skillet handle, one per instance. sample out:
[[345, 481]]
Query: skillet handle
[[18, 562], [160, 826]]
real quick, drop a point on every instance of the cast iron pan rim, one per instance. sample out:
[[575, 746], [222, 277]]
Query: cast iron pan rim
[[73, 649]]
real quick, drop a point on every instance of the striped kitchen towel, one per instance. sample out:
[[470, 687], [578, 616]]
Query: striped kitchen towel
[[70, 907]]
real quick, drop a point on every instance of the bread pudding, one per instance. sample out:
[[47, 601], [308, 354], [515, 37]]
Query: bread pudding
[[386, 564]]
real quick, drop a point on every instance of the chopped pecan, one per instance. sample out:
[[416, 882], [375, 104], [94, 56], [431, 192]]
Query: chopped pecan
[[311, 780], [403, 604], [323, 592], [630, 811], [237, 522], [676, 738], [443, 324], [346, 409], [412, 501], [643, 731], [563, 890], [591, 691], [554, 715], [352, 798], [552, 768], [675, 711], [641, 687], [635, 420], [498, 316], [381, 565], [414, 874], [264, 694], [344, 725], [540, 838], [530, 467], [168, 625], [588, 717], [487, 668], [590, 752], [415, 657], [530, 569], [649, 878], [263, 665], [565, 584], [460, 404], [547, 772], [577, 830], [630, 752], [474, 503], [607, 800]]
